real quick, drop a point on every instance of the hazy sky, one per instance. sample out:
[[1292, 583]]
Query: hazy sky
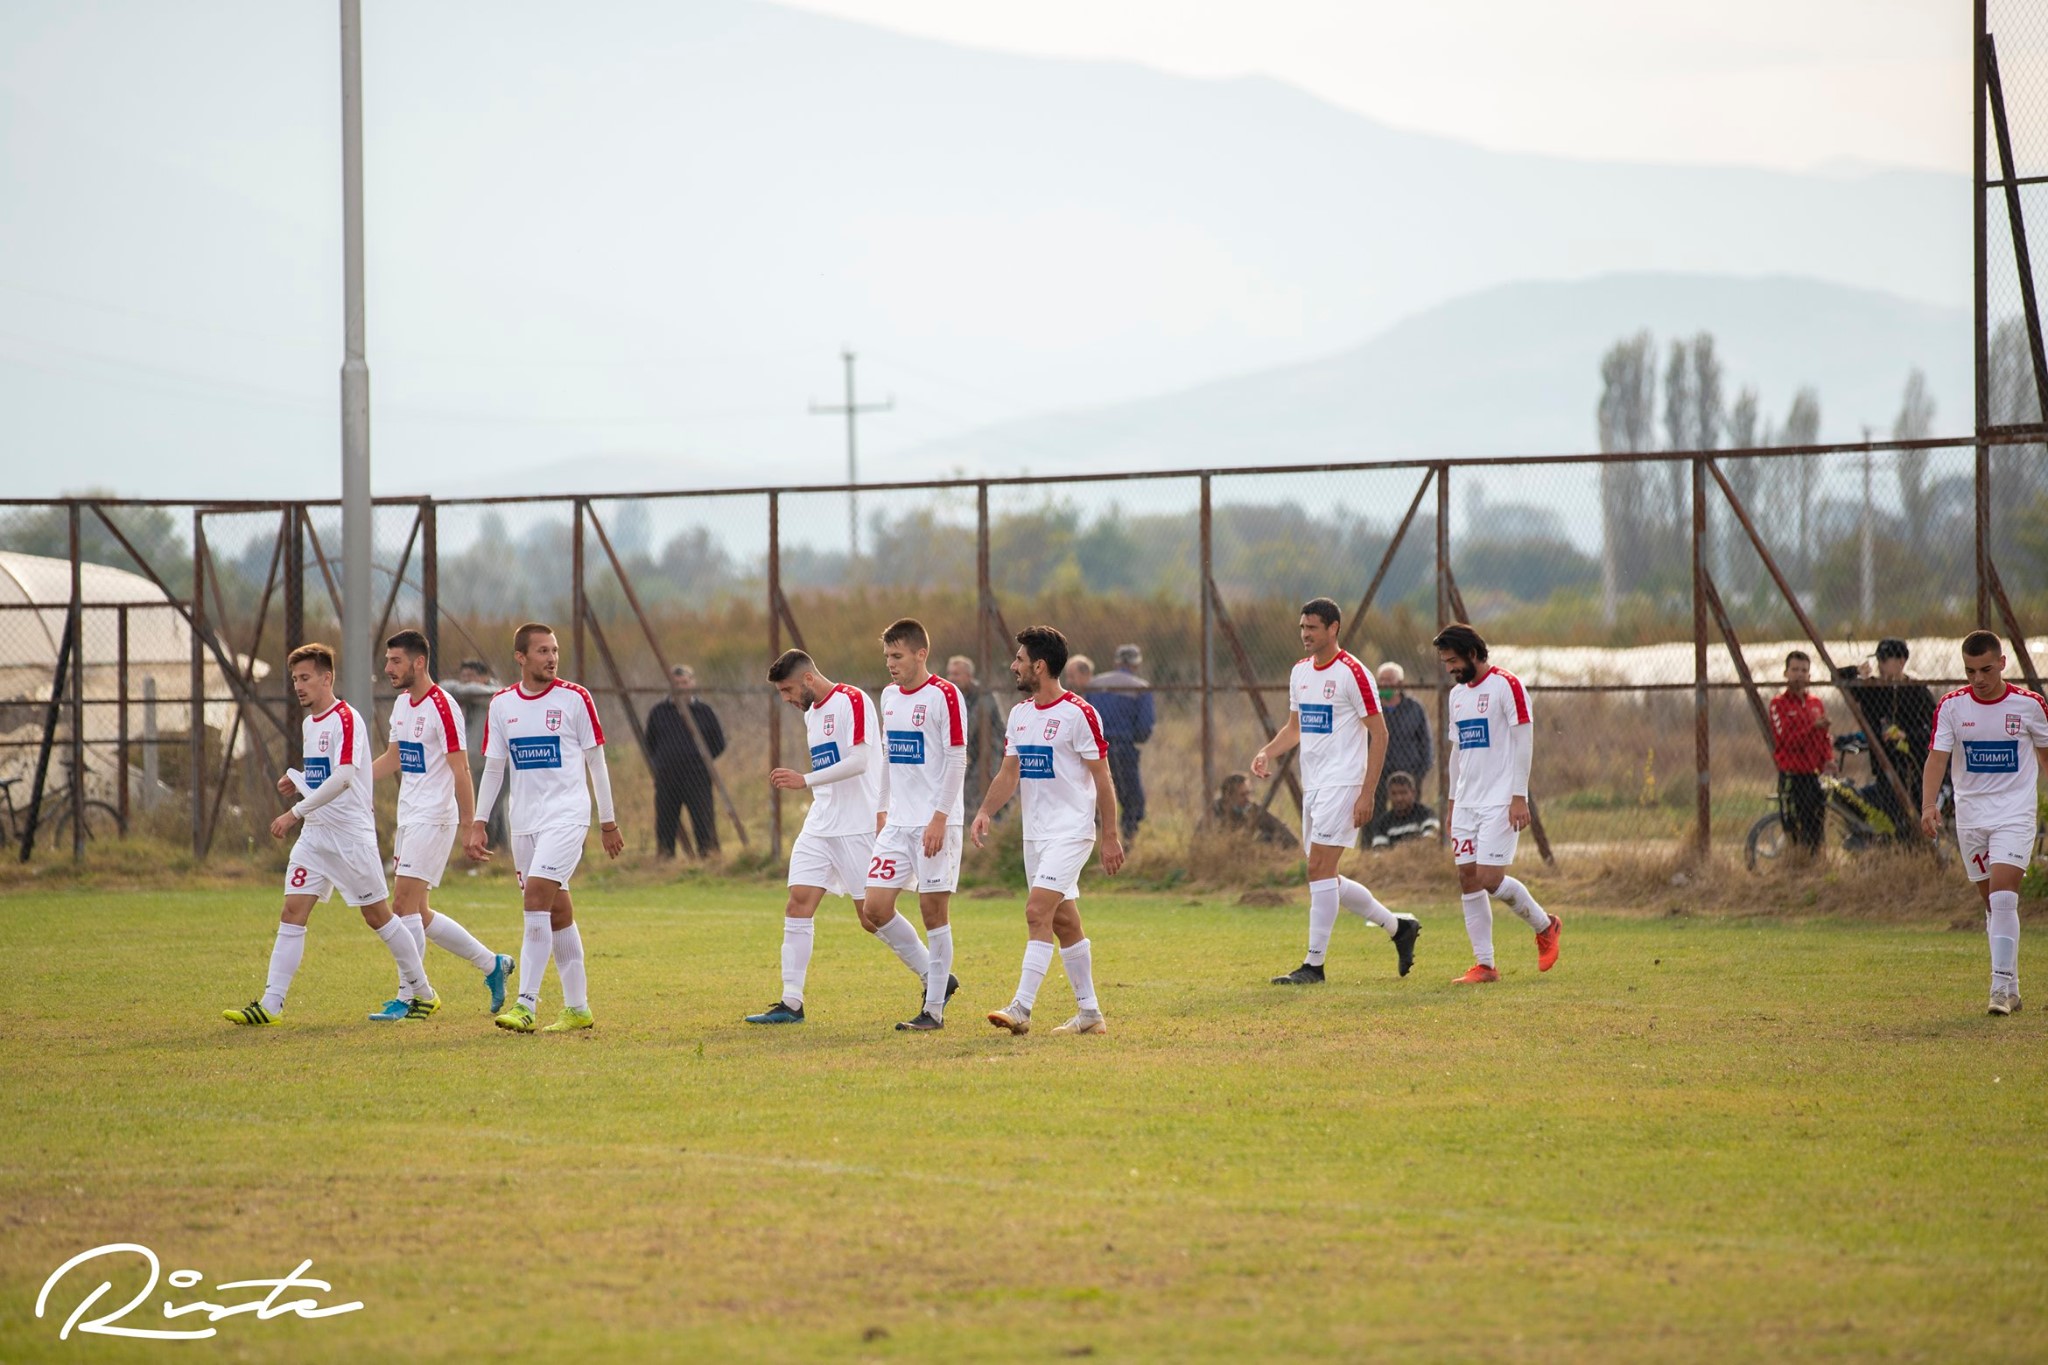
[[1784, 83]]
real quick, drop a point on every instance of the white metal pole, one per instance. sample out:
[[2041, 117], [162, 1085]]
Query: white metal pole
[[356, 645]]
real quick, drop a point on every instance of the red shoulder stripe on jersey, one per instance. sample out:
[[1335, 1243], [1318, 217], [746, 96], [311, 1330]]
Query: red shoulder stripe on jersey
[[860, 712], [1367, 693], [2037, 698], [596, 725], [956, 731], [1094, 721], [488, 707], [348, 734], [1935, 728], [440, 700], [1521, 697]]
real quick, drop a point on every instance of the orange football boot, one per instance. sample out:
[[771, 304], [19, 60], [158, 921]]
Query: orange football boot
[[1546, 945], [1477, 975]]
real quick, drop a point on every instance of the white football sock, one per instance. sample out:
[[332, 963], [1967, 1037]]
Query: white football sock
[[285, 956], [419, 938], [1322, 918], [798, 935], [2003, 927], [411, 972], [459, 941], [1354, 897], [940, 944], [568, 945], [536, 946], [1080, 974], [1516, 897], [901, 936], [1479, 926], [1037, 957]]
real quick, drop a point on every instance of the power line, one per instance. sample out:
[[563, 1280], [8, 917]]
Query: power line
[[851, 408]]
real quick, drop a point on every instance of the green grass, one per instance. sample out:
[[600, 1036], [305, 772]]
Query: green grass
[[1697, 1139]]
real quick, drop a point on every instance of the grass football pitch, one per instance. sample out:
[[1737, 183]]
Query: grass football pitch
[[1698, 1139]]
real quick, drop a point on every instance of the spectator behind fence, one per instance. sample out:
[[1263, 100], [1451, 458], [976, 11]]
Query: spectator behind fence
[[1079, 676], [1901, 715], [1800, 744], [1403, 818], [1408, 746], [682, 770], [1234, 809], [1124, 702], [983, 722], [473, 689]]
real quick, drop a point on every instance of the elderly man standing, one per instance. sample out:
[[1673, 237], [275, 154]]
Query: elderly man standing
[[473, 689], [1408, 744], [1124, 701], [984, 722], [682, 770]]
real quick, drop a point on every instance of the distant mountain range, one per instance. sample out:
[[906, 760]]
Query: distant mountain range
[[643, 229]]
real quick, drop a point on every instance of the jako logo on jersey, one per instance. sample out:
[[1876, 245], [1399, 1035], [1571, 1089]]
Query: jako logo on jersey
[[1991, 756], [1474, 734], [1317, 719], [536, 751], [1034, 760], [554, 720], [823, 756], [2014, 725], [1052, 729], [906, 746]]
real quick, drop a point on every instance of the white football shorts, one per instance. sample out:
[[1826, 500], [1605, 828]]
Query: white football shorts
[[837, 862], [2011, 843], [325, 861], [551, 854], [1326, 817], [899, 860], [1483, 835], [421, 852], [1055, 864]]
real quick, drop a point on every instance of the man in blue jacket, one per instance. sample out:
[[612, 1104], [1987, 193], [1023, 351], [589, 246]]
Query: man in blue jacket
[[1124, 702]]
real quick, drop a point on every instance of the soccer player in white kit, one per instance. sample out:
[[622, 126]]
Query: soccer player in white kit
[[1334, 715], [924, 726], [1053, 748], [543, 733], [1492, 749], [848, 781], [337, 849], [1993, 725], [430, 754]]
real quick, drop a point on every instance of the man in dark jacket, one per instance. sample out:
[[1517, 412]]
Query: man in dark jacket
[[682, 771], [1123, 700], [1408, 746]]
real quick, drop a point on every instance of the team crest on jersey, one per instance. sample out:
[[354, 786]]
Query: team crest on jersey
[[1483, 699], [326, 741], [1052, 729], [917, 714], [419, 726], [2014, 725], [1329, 689], [828, 727], [554, 719]]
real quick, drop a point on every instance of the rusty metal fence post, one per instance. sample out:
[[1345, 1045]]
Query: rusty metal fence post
[[1208, 551], [577, 605], [774, 651], [1701, 749], [1443, 596], [196, 740], [430, 583], [75, 756]]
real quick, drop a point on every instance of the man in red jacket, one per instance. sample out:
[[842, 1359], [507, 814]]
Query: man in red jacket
[[1799, 731]]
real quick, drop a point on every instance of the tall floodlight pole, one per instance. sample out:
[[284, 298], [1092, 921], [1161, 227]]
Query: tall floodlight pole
[[852, 408], [356, 607]]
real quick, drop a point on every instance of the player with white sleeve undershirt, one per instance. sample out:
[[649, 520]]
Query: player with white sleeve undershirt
[[1993, 724], [541, 738], [848, 782], [1334, 715], [1492, 749]]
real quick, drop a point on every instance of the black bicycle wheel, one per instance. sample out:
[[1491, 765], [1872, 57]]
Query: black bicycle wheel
[[1768, 839], [102, 821]]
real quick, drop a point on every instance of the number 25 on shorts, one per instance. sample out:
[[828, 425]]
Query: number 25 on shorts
[[882, 869]]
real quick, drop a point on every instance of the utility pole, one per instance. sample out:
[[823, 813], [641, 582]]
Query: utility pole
[[851, 409], [357, 611]]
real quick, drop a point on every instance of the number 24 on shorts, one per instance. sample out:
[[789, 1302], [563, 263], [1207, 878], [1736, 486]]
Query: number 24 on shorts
[[883, 869], [1461, 847]]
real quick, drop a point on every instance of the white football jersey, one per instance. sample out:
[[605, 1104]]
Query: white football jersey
[[834, 725], [335, 737], [426, 734], [1332, 701], [922, 725], [1055, 787], [1995, 771], [544, 737], [1481, 713]]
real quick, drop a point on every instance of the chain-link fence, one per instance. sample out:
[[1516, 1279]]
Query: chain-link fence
[[1648, 602]]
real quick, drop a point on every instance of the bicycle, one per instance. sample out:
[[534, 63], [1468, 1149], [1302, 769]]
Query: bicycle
[[53, 826], [1851, 815]]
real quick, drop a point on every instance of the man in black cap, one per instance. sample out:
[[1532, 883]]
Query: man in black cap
[[682, 770], [1901, 715]]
